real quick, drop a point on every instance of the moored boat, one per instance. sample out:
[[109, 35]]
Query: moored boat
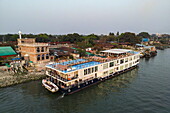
[[74, 75], [49, 85]]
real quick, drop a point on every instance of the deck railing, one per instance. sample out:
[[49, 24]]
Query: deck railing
[[59, 77]]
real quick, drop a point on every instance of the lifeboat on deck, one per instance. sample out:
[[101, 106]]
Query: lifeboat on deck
[[50, 86]]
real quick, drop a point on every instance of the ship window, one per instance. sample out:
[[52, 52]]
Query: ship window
[[130, 59], [96, 69], [117, 68], [89, 70], [126, 60], [111, 71], [111, 64], [121, 67], [85, 72], [117, 61], [130, 64], [47, 56], [92, 69], [42, 57], [105, 73], [95, 75], [126, 66], [121, 61], [38, 49], [105, 66]]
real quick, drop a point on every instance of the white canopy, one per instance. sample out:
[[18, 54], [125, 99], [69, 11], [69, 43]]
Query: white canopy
[[116, 51]]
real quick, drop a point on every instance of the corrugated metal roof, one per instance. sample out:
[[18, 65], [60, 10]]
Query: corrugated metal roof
[[7, 50]]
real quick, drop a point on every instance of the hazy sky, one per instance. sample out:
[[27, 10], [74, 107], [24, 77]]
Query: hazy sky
[[84, 16]]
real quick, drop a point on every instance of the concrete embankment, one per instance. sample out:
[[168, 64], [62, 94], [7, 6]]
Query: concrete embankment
[[7, 79]]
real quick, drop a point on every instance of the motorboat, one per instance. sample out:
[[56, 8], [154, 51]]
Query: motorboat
[[49, 85]]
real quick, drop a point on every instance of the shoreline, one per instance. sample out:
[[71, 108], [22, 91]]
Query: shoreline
[[7, 79]]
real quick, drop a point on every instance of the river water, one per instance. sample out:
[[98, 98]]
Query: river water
[[143, 90]]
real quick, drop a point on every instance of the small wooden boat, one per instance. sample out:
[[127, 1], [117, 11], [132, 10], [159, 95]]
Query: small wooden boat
[[49, 85]]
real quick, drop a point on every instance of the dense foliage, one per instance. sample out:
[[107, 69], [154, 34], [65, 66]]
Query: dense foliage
[[144, 35], [83, 41], [129, 37]]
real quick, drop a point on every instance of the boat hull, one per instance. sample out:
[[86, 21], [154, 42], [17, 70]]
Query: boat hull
[[93, 82]]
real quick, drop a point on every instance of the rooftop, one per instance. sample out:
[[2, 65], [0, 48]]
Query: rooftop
[[73, 65], [33, 44], [77, 64], [7, 50], [117, 51]]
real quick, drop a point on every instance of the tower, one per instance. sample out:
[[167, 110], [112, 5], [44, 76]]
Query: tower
[[19, 34]]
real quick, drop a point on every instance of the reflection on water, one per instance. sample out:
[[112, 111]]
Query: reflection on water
[[117, 83], [33, 96]]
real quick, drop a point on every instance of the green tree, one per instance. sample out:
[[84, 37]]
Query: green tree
[[129, 37], [144, 35], [42, 38], [111, 34], [73, 38], [117, 34]]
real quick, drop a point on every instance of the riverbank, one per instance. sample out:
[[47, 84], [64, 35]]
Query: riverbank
[[7, 79]]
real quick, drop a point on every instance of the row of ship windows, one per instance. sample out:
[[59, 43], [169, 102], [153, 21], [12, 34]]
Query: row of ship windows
[[127, 59], [121, 67], [90, 70], [111, 64], [105, 66]]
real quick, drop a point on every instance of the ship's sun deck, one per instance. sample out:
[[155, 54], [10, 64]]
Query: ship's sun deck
[[72, 62], [105, 56], [73, 65], [83, 65]]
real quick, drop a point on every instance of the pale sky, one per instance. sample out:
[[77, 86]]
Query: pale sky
[[84, 16]]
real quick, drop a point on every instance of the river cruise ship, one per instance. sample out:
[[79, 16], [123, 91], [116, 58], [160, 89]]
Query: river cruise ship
[[74, 75]]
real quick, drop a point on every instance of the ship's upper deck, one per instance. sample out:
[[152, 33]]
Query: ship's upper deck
[[73, 65], [118, 51], [66, 66]]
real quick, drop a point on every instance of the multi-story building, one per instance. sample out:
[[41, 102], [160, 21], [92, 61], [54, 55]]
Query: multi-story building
[[36, 52]]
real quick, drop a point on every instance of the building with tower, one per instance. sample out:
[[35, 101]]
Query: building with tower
[[33, 51]]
